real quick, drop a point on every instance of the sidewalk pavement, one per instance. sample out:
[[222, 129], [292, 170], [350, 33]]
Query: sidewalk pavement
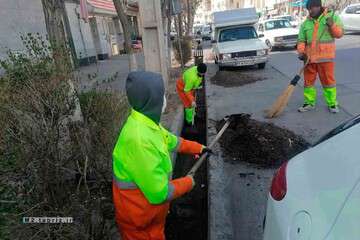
[[116, 67]]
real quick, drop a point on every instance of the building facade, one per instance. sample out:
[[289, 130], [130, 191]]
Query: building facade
[[96, 38]]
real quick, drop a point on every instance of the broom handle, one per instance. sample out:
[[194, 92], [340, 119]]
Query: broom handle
[[203, 157]]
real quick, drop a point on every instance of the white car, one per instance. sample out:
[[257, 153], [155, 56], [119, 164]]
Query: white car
[[316, 195], [291, 19], [235, 40], [278, 33], [240, 46], [206, 32], [351, 18]]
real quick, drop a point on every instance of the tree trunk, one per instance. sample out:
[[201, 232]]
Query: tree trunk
[[54, 14], [127, 33], [188, 13]]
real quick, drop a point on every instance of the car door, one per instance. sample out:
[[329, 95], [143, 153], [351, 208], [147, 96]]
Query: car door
[[350, 18], [357, 18]]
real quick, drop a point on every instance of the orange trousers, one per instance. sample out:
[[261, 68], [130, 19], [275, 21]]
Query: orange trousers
[[186, 98], [326, 74], [136, 218]]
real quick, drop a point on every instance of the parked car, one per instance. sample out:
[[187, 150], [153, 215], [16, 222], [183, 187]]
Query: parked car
[[206, 32], [351, 18], [278, 33], [316, 195], [173, 34], [294, 22], [235, 40], [136, 44]]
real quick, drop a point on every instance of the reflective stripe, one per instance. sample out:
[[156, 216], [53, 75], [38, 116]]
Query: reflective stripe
[[171, 191], [329, 86], [176, 149], [124, 185], [327, 41], [324, 60]]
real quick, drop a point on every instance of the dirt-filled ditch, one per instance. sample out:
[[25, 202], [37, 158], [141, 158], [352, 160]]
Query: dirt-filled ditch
[[237, 78], [188, 217], [260, 143]]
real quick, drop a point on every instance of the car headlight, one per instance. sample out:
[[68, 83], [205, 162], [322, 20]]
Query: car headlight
[[226, 56], [261, 52], [278, 39]]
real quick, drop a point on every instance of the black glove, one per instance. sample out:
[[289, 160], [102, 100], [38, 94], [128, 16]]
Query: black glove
[[207, 150], [330, 21], [302, 57]]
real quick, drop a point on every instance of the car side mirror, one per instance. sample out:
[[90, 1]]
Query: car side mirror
[[213, 41], [261, 35]]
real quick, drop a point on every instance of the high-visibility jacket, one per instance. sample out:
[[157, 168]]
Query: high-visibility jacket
[[141, 159], [189, 82], [317, 40]]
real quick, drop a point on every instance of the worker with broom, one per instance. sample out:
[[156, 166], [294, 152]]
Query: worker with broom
[[316, 47], [186, 85], [141, 162]]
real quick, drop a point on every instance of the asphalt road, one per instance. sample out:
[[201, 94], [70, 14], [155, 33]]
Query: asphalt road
[[347, 70], [237, 204]]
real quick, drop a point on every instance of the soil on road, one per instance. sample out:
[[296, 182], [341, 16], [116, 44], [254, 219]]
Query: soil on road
[[260, 143], [236, 78]]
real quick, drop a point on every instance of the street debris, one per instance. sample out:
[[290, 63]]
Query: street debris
[[260, 143], [236, 78]]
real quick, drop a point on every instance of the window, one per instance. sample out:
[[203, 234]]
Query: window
[[271, 25], [353, 10], [240, 33]]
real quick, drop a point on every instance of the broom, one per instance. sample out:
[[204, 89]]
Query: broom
[[281, 102]]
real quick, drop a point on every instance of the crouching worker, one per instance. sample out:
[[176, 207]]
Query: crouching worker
[[186, 86], [142, 166]]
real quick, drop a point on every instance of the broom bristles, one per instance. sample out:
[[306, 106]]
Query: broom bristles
[[281, 102]]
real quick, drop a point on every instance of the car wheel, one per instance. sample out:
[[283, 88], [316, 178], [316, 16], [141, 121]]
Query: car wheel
[[261, 65]]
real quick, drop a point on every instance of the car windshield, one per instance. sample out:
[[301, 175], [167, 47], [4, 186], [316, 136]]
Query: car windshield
[[239, 33], [271, 25], [289, 18], [206, 29]]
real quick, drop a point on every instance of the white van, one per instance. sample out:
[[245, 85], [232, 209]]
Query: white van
[[235, 39]]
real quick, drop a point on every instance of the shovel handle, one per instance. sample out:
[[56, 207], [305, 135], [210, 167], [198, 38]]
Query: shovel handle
[[203, 157]]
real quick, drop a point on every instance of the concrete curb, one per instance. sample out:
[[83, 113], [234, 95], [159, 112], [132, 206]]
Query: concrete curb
[[176, 128], [220, 224]]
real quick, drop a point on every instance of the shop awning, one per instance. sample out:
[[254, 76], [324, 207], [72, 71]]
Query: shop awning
[[107, 6]]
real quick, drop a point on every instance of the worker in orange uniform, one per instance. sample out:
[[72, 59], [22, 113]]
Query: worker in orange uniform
[[316, 45], [142, 185], [191, 80]]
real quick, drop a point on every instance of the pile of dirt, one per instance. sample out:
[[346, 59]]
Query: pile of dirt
[[260, 143], [236, 78]]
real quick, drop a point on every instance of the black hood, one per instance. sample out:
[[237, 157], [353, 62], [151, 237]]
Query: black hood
[[145, 92]]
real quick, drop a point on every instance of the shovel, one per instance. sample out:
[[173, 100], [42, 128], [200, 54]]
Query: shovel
[[228, 120]]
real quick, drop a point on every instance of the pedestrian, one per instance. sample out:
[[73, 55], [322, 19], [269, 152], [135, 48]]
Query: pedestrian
[[141, 162], [316, 45], [191, 80]]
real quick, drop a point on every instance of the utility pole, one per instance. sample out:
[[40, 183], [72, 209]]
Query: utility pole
[[154, 38]]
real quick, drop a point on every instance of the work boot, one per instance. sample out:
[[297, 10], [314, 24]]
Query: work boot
[[306, 108], [334, 109]]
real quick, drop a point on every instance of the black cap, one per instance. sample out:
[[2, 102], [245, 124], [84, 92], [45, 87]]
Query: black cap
[[202, 68], [313, 3], [145, 92]]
